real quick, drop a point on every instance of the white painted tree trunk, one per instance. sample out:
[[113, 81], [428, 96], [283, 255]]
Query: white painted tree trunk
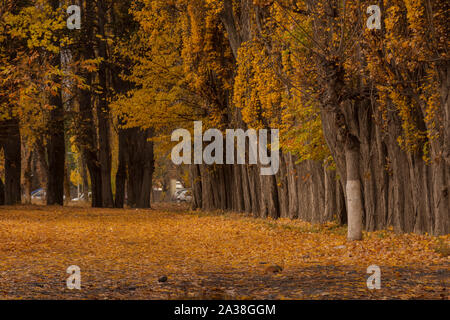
[[354, 196]]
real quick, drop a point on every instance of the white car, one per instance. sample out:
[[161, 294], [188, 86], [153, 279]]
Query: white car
[[177, 194], [185, 196], [38, 194], [82, 197]]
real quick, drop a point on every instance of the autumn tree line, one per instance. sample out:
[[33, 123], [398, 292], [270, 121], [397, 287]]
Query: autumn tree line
[[363, 114]]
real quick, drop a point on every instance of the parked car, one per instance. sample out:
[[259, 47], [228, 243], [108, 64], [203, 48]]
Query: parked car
[[83, 197], [38, 194], [177, 194], [185, 196]]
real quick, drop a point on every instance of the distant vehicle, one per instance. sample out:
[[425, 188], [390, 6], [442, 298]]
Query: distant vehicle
[[83, 197], [177, 194], [36, 191], [179, 185], [38, 194], [185, 196]]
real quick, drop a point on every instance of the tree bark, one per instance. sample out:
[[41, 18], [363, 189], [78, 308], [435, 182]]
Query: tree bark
[[196, 183], [12, 150], [67, 184], [140, 164], [147, 169], [121, 175], [27, 174], [354, 196], [103, 111], [56, 154], [86, 131], [56, 144], [42, 165], [86, 139], [2, 193]]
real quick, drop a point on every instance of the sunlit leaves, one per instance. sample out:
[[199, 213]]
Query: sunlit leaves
[[122, 254]]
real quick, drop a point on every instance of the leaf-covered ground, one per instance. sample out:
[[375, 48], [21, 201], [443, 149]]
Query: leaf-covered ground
[[123, 253]]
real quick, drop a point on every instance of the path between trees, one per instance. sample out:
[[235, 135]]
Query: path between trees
[[123, 253]]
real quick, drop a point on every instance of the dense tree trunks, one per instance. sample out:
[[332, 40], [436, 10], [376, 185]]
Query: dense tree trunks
[[260, 200], [316, 194], [376, 184], [396, 189], [12, 151], [441, 158]]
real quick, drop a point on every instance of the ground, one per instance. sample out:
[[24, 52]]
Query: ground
[[123, 253]]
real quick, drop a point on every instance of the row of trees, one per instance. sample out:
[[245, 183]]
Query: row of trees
[[363, 114], [56, 88]]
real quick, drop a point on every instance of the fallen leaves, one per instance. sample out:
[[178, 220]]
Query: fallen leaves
[[123, 253]]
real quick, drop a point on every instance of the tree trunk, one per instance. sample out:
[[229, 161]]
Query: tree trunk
[[12, 151], [2, 193], [56, 155], [292, 186], [42, 165], [56, 144], [67, 183], [269, 197], [96, 181], [84, 178], [147, 169], [196, 183], [330, 210], [121, 175], [103, 111], [140, 164], [27, 174], [354, 196], [86, 139], [441, 165], [86, 131]]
